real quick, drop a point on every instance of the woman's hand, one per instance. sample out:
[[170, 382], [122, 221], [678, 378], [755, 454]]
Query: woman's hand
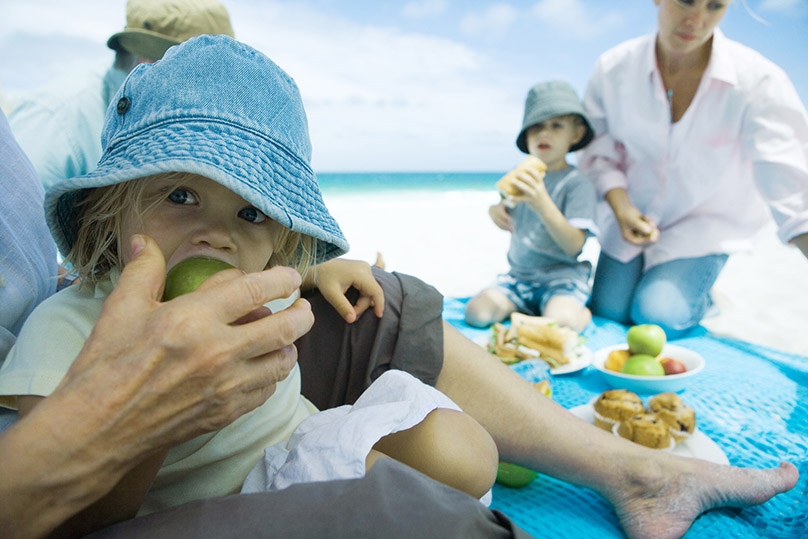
[[636, 228], [335, 277]]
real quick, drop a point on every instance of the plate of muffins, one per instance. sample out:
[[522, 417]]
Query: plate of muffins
[[663, 422]]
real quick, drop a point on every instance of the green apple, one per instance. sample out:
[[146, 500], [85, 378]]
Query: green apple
[[643, 365], [514, 476], [188, 274], [646, 339]]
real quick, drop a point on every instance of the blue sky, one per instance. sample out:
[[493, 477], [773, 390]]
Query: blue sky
[[420, 85]]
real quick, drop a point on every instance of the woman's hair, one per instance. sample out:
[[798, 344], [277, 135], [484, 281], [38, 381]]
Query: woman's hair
[[99, 238]]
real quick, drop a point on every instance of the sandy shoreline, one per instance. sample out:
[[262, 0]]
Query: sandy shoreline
[[448, 240]]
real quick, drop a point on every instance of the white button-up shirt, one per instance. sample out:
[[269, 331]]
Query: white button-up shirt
[[705, 180]]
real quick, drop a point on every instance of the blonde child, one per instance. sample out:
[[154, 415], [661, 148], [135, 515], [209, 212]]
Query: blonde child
[[207, 152], [549, 218]]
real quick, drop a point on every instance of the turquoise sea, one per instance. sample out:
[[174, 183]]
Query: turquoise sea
[[358, 182]]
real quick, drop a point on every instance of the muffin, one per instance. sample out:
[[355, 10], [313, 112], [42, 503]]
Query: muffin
[[615, 405], [680, 417], [645, 429]]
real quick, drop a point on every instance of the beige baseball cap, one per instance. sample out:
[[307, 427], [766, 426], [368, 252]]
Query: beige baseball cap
[[152, 26]]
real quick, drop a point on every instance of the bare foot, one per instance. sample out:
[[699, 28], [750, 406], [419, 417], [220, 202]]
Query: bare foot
[[664, 500]]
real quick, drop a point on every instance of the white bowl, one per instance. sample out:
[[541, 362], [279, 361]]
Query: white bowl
[[693, 362]]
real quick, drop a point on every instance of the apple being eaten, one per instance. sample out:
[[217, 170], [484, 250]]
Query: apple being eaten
[[185, 276], [646, 339]]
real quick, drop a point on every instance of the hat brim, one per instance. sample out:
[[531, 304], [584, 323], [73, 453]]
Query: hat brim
[[521, 140], [281, 186], [142, 43]]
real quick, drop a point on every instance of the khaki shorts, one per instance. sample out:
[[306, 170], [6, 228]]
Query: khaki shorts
[[339, 360]]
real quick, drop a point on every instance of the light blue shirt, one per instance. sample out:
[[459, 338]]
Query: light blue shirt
[[27, 251], [534, 256], [59, 126]]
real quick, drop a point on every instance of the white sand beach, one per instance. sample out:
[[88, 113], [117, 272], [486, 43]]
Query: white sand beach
[[447, 239]]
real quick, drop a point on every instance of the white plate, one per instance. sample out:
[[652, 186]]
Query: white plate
[[582, 359], [699, 445]]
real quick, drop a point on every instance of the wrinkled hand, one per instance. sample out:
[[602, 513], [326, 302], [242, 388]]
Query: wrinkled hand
[[335, 277], [499, 214], [162, 373], [636, 227], [150, 376]]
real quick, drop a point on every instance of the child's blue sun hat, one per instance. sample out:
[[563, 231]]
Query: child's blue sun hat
[[549, 100], [217, 108]]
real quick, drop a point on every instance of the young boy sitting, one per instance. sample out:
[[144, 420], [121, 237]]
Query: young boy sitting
[[550, 213]]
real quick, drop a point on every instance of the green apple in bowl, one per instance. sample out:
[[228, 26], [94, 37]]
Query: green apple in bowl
[[188, 274], [643, 365], [646, 339]]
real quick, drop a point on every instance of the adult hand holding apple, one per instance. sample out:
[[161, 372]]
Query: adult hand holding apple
[[158, 374], [185, 359]]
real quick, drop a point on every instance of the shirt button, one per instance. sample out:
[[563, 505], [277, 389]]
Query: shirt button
[[123, 105]]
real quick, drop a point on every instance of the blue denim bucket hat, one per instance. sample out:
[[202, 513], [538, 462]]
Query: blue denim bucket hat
[[217, 108], [549, 100]]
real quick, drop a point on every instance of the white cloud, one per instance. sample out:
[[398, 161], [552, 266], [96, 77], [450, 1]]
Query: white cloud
[[95, 21], [574, 18], [785, 6], [379, 97], [794, 9], [492, 23], [419, 9]]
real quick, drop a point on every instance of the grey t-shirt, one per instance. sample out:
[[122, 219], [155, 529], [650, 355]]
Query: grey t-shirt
[[533, 255]]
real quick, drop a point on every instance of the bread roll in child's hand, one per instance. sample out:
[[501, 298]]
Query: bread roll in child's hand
[[505, 184]]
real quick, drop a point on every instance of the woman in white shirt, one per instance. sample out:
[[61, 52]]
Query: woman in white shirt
[[696, 135]]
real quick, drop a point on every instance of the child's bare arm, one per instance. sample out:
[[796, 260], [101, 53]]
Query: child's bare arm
[[534, 193], [569, 238], [335, 277], [499, 214]]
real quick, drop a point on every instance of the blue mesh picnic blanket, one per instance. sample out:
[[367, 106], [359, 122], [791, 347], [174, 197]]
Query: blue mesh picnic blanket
[[752, 401]]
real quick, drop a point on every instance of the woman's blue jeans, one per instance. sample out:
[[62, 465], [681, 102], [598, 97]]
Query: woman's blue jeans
[[674, 295]]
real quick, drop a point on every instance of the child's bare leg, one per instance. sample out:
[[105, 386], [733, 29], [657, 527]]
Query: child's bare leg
[[488, 307], [643, 485], [568, 311], [448, 446]]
